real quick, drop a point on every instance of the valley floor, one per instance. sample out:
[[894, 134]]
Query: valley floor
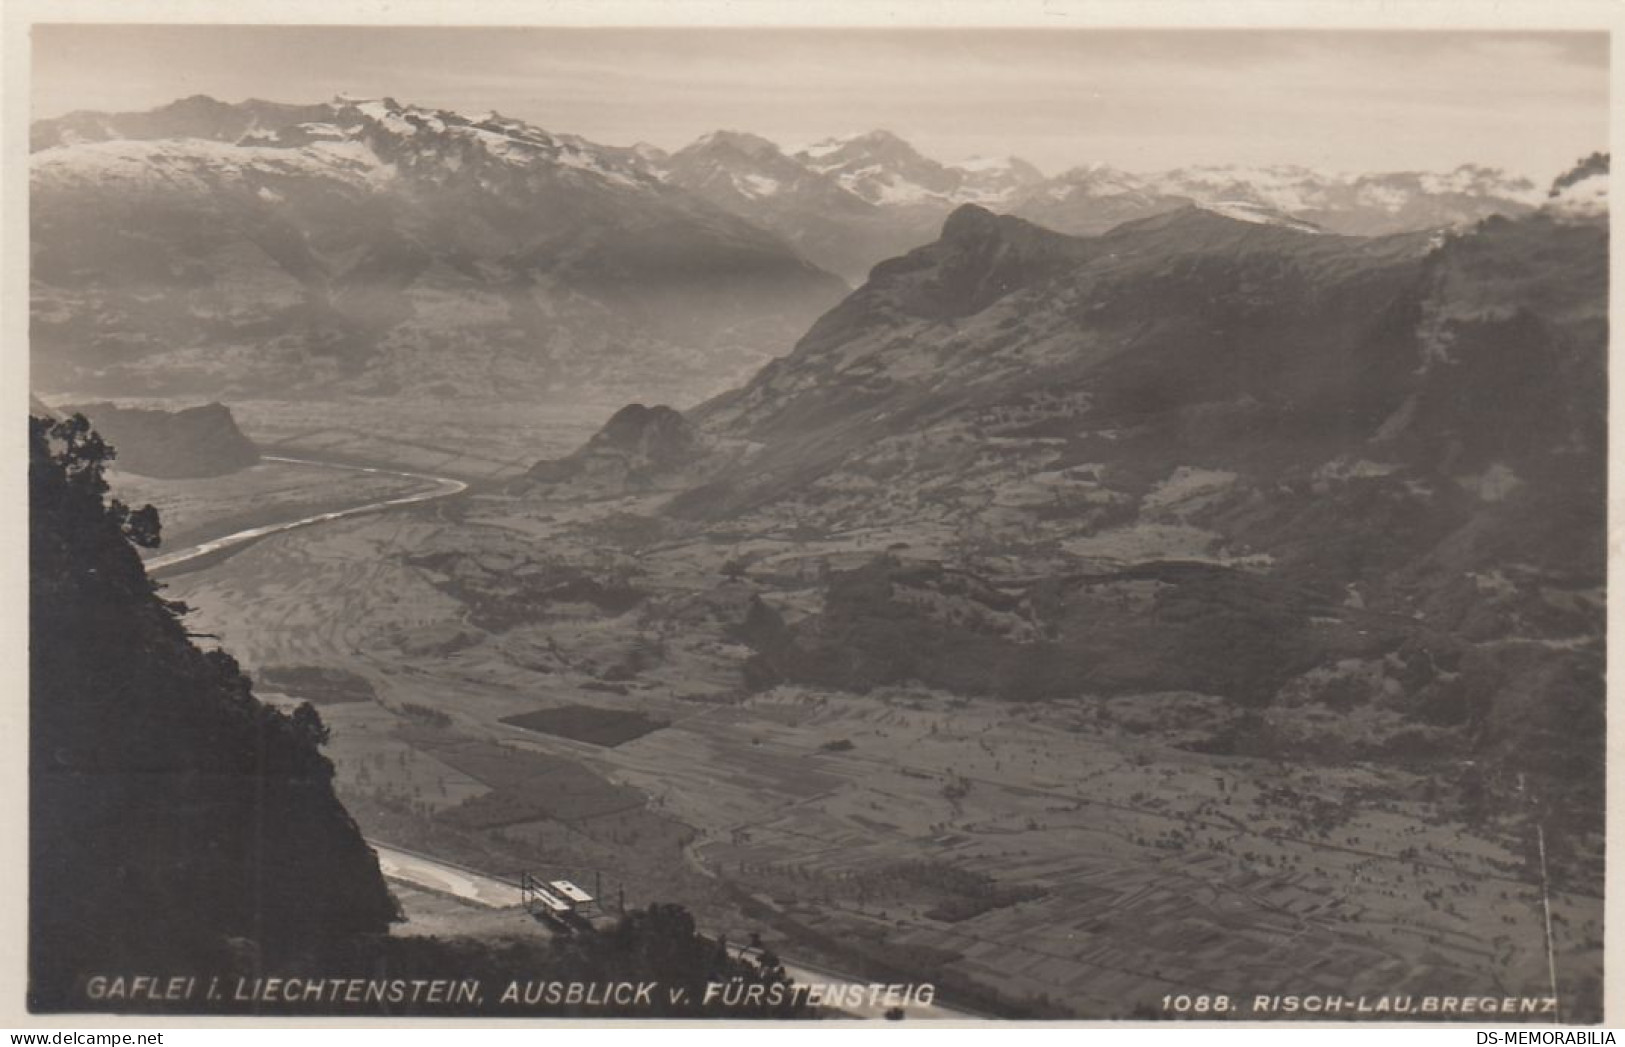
[[1052, 859]]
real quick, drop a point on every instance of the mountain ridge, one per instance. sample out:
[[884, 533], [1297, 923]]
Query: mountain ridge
[[1325, 449]]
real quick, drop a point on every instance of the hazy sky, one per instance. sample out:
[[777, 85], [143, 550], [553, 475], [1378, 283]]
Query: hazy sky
[[1148, 100]]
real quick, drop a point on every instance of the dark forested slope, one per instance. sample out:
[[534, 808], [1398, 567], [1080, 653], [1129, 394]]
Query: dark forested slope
[[175, 820]]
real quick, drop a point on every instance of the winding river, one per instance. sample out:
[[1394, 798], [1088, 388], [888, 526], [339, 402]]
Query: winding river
[[444, 487]]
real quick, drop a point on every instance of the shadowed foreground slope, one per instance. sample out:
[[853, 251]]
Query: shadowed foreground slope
[[174, 818], [181, 827]]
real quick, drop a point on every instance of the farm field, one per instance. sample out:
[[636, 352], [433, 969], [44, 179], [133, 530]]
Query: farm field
[[1058, 857], [1038, 849]]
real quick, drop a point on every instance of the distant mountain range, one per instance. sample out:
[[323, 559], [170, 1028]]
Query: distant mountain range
[[815, 196], [370, 247], [378, 248]]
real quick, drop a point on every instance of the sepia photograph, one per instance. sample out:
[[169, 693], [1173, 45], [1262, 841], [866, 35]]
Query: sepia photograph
[[909, 522]]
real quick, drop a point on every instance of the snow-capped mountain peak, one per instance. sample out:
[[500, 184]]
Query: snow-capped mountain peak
[[383, 134], [420, 139], [1095, 197], [883, 169], [978, 164], [735, 167], [994, 180], [859, 140], [743, 142]]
